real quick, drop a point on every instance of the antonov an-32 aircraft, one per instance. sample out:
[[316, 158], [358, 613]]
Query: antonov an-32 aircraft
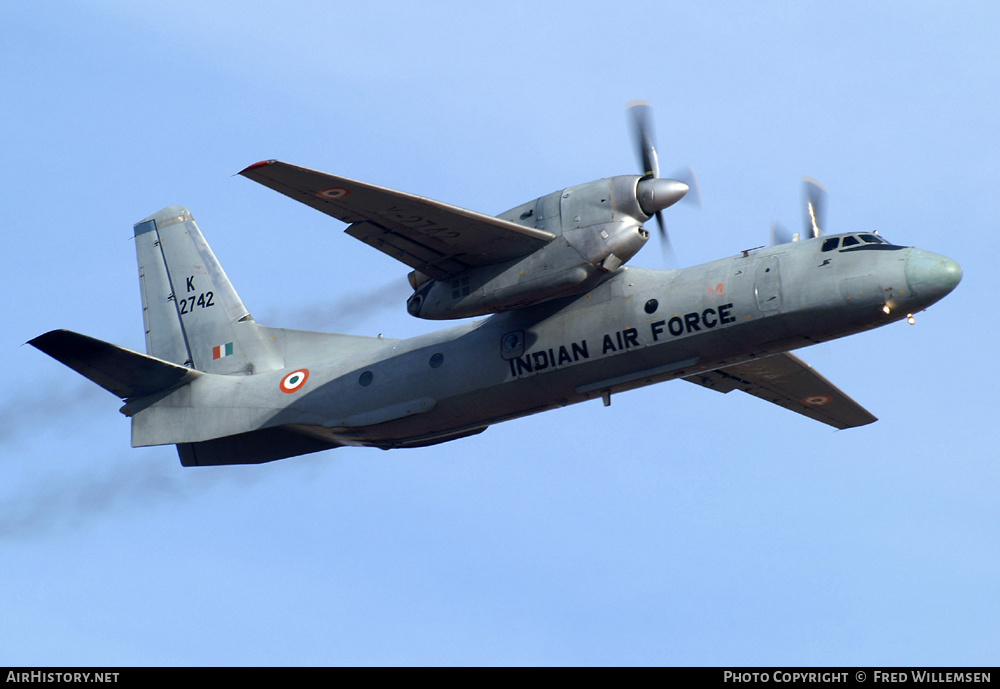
[[567, 321]]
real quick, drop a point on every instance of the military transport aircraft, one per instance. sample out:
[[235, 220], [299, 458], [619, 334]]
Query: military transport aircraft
[[568, 320]]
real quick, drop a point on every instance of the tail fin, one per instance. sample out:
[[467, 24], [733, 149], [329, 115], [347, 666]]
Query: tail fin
[[192, 314]]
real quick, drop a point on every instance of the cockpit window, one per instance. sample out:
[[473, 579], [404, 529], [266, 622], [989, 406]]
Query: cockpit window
[[859, 242]]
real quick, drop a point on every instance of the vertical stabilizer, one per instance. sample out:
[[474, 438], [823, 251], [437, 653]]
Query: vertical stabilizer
[[191, 312]]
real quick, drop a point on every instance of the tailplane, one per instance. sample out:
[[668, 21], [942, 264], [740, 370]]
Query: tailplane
[[118, 370], [193, 387]]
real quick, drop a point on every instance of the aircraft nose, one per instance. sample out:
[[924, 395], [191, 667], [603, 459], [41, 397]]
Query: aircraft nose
[[931, 276]]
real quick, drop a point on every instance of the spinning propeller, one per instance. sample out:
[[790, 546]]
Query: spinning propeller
[[815, 197], [654, 192], [814, 214]]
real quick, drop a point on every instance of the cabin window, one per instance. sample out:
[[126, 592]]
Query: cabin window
[[831, 243], [651, 306], [437, 360], [366, 378]]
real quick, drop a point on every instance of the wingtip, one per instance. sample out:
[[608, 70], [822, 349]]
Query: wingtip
[[40, 342], [263, 163]]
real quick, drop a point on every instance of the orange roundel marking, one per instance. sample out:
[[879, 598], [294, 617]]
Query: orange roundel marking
[[333, 193], [817, 400], [294, 380]]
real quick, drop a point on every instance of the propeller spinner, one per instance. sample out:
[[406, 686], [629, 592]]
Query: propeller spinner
[[655, 193]]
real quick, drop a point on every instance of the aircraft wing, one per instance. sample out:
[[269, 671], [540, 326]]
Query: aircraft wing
[[789, 382], [435, 238]]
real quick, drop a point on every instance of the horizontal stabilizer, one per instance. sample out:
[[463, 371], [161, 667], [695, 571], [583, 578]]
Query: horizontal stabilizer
[[116, 369], [789, 382]]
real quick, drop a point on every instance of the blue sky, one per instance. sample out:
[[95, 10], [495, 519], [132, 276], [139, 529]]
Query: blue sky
[[678, 526]]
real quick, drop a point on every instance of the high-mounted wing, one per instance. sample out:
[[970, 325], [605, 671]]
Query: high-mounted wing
[[789, 382], [435, 238]]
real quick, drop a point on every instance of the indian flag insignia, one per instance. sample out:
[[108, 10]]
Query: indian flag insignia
[[222, 350]]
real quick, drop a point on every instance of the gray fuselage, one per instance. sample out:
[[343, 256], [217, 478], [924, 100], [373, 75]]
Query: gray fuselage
[[637, 328]]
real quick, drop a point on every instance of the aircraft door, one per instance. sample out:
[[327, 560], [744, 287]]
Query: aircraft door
[[767, 286]]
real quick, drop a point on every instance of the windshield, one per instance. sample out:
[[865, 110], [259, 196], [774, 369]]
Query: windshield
[[831, 243]]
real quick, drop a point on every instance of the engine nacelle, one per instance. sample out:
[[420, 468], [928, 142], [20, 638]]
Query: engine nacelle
[[598, 228], [482, 290]]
